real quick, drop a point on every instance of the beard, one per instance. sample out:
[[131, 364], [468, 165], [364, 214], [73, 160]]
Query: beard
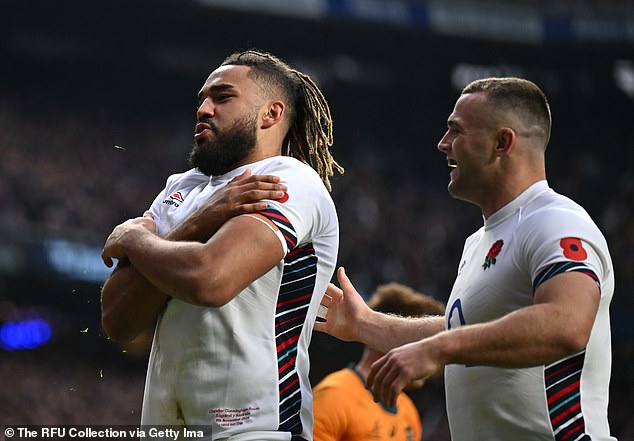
[[227, 150]]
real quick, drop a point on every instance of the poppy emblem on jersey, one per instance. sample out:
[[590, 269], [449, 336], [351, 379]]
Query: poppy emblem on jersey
[[283, 198], [492, 254], [573, 249]]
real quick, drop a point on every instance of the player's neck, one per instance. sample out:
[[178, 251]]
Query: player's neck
[[505, 195], [362, 369], [365, 363]]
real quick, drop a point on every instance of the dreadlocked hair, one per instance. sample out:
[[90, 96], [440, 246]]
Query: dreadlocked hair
[[309, 136]]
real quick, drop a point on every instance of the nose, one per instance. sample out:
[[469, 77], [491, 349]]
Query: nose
[[206, 109], [444, 143]]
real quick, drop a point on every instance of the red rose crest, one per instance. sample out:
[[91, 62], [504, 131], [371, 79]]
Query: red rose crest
[[492, 254]]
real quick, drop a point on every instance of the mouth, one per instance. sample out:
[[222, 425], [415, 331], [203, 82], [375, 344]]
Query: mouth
[[202, 129], [451, 163]]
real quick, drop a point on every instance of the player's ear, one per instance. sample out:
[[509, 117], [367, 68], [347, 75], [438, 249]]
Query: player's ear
[[505, 140], [274, 113]]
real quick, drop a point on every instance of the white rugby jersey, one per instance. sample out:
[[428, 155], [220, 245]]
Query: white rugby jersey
[[536, 236], [243, 367]]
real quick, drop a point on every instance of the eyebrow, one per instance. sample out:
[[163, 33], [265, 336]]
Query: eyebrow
[[453, 124], [214, 88]]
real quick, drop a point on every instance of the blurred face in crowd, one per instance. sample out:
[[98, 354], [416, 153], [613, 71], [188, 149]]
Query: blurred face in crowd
[[227, 116], [469, 144]]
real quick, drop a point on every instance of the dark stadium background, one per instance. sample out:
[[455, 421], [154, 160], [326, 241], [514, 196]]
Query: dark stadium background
[[97, 107]]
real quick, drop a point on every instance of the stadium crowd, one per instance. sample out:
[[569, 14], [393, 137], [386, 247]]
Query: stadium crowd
[[74, 168]]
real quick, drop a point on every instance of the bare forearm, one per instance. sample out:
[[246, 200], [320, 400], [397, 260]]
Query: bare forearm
[[557, 325], [528, 337], [129, 304], [170, 266], [208, 274], [384, 332]]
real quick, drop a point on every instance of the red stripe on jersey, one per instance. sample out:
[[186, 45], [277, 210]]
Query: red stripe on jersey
[[570, 410], [289, 239], [284, 367], [297, 299], [301, 250], [572, 431], [289, 320], [565, 368], [563, 392], [276, 216], [286, 343], [288, 386]]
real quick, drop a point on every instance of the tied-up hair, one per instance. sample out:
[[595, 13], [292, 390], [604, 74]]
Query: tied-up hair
[[309, 136]]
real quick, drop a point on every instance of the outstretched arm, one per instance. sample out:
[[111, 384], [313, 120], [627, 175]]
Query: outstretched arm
[[130, 303], [558, 324], [349, 318]]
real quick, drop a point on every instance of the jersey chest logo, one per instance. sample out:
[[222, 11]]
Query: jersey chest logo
[[492, 254], [174, 199]]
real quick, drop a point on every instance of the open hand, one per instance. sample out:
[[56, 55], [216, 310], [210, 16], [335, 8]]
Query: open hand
[[346, 308], [243, 194]]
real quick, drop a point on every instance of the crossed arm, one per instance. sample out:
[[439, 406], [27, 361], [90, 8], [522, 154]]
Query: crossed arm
[[195, 262], [556, 325]]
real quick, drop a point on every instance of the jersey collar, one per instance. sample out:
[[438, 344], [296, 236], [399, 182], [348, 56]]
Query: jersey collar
[[516, 204]]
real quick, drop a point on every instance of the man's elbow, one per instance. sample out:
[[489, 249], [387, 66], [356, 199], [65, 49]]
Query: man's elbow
[[116, 330], [210, 292], [211, 288], [573, 342]]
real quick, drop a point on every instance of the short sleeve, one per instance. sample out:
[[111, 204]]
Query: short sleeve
[[306, 209], [561, 240]]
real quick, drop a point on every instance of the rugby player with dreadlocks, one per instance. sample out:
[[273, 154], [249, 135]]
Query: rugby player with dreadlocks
[[232, 259]]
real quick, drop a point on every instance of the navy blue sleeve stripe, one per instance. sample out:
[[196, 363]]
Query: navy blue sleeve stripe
[[564, 267], [283, 224]]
